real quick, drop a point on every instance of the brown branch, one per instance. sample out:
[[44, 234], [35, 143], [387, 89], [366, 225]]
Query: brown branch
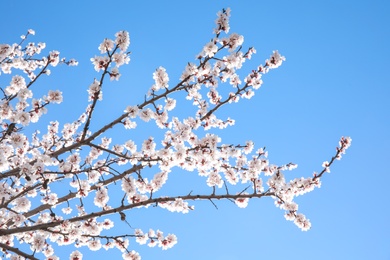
[[96, 94], [338, 154], [17, 251], [109, 151], [154, 201]]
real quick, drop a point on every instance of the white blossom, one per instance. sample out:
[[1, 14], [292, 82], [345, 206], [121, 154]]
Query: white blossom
[[22, 204], [76, 255], [242, 202], [106, 46], [54, 96], [122, 40], [276, 60], [132, 255], [94, 245], [161, 79], [210, 49]]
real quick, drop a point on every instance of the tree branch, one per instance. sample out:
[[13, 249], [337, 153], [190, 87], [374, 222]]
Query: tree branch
[[155, 201], [17, 251]]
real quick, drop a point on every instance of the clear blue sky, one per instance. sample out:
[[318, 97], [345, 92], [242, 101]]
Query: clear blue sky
[[334, 82]]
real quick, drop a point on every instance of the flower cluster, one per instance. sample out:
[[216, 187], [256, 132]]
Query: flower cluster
[[37, 207], [110, 47], [222, 21], [154, 238]]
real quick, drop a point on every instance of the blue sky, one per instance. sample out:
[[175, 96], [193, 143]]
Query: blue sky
[[335, 82]]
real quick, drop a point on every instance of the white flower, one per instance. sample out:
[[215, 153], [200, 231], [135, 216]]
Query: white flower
[[54, 58], [73, 62], [302, 222], [233, 61], [132, 111], [51, 199], [18, 219], [159, 180], [24, 94], [170, 104], [17, 83], [210, 49], [101, 197], [146, 114], [161, 79], [289, 216], [129, 124], [222, 21], [190, 71], [94, 245], [48, 252], [233, 41], [94, 88], [106, 45], [168, 242], [38, 243], [176, 206], [242, 202], [114, 74], [120, 59], [76, 255], [131, 146], [214, 179], [22, 204], [248, 147], [141, 238], [231, 176], [275, 60], [132, 255], [235, 80], [5, 50], [148, 146], [107, 224], [23, 118], [290, 206], [326, 166], [54, 96], [67, 210], [123, 40], [100, 63]]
